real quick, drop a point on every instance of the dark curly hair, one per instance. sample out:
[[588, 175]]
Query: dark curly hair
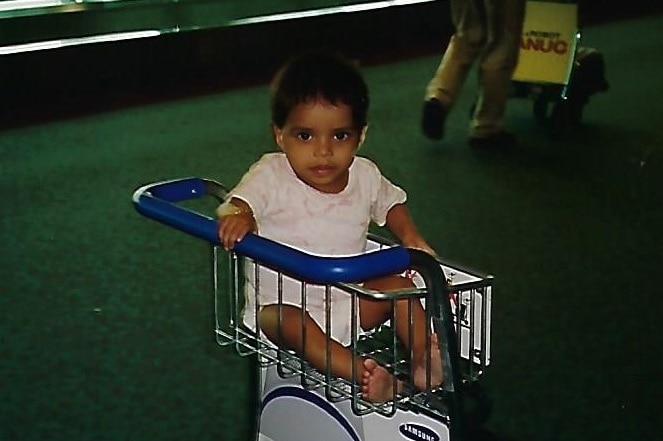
[[318, 74]]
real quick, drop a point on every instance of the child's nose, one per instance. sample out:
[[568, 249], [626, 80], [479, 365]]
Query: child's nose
[[323, 148]]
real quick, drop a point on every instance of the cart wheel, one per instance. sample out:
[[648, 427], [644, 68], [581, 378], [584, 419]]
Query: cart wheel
[[540, 109], [561, 119], [566, 115], [576, 107]]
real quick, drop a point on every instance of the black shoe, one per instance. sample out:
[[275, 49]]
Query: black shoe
[[499, 140], [432, 119]]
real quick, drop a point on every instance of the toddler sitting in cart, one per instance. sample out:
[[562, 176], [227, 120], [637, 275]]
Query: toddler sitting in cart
[[316, 195]]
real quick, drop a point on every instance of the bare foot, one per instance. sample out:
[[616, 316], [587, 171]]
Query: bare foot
[[377, 383], [419, 366]]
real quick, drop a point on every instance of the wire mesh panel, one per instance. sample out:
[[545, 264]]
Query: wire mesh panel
[[469, 296]]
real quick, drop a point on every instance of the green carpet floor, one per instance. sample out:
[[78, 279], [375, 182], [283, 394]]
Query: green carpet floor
[[106, 316]]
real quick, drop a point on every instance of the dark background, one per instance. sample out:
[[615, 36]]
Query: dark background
[[105, 315], [103, 75]]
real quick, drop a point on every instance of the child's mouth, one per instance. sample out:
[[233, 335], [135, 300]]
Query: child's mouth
[[322, 169]]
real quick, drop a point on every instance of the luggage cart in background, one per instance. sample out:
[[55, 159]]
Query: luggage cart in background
[[299, 403], [553, 69]]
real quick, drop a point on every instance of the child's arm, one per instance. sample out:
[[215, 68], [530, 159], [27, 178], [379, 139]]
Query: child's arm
[[402, 226], [235, 220]]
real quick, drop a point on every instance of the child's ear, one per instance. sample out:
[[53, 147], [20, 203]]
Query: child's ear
[[277, 132], [362, 136]]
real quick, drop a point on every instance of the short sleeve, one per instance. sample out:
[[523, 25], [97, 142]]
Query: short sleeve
[[384, 194], [255, 185]]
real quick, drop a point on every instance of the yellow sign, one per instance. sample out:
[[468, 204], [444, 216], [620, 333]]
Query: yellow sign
[[548, 43]]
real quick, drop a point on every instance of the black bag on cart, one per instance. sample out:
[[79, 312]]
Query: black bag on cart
[[588, 79]]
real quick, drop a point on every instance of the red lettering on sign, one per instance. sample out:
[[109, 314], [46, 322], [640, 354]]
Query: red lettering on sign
[[559, 47]]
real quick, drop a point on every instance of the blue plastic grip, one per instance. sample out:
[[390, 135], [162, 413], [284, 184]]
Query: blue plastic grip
[[158, 201], [178, 190]]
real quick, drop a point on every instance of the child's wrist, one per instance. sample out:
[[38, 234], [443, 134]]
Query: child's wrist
[[230, 209]]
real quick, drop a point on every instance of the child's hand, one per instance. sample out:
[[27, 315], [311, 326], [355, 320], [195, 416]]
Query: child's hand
[[234, 223]]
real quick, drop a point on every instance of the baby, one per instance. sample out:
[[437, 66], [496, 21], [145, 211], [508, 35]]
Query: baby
[[318, 196]]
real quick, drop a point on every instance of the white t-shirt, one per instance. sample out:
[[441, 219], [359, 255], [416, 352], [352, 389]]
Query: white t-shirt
[[291, 212]]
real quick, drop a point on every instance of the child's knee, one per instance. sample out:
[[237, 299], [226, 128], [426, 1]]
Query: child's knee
[[404, 282], [389, 283], [280, 322]]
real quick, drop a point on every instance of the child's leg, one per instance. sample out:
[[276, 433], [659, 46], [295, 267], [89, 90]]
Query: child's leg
[[376, 312], [314, 350]]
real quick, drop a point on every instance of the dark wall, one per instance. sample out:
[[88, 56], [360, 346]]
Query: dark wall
[[600, 11], [75, 78], [57, 83]]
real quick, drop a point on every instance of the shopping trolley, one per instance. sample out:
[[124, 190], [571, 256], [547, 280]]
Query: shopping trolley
[[554, 70], [299, 403]]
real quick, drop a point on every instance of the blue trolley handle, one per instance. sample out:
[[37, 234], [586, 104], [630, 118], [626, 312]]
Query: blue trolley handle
[[159, 202]]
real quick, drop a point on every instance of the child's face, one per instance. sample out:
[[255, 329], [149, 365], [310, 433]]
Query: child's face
[[320, 141]]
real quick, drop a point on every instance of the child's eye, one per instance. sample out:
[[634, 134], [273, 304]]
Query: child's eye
[[304, 136], [342, 136]]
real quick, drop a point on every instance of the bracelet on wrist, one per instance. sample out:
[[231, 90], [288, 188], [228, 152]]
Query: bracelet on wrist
[[229, 209]]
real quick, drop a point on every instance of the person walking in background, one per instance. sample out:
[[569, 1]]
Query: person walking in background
[[488, 31]]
